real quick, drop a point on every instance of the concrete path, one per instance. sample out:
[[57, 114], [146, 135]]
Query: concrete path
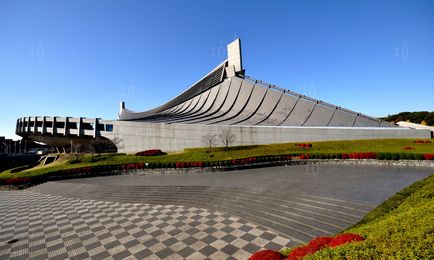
[[196, 216]]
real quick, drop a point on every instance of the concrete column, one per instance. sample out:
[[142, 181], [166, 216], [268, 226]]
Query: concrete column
[[35, 130], [28, 123], [66, 127], [80, 126], [95, 133], [54, 125], [44, 126]]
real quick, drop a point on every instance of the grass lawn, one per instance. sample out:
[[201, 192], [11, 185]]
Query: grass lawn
[[402, 227], [218, 154]]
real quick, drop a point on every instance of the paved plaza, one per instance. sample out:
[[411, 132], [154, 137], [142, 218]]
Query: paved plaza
[[226, 215], [53, 227]]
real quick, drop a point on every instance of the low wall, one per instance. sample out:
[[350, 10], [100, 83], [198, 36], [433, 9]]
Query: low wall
[[139, 136]]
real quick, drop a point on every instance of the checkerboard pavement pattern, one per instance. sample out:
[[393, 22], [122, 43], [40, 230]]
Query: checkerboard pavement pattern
[[53, 227]]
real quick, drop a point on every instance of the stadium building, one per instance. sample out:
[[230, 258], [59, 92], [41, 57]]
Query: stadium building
[[225, 99]]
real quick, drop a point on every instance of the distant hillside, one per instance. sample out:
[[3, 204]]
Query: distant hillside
[[421, 117]]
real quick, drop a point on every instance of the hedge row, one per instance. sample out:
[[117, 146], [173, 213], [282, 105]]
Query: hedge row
[[369, 155], [224, 163]]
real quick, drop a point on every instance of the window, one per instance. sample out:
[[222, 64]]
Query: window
[[109, 128]]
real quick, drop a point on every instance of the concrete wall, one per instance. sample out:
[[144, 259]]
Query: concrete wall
[[138, 136]]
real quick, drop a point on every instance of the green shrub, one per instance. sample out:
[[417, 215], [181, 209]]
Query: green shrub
[[285, 251], [418, 156], [387, 156], [395, 156], [409, 156]]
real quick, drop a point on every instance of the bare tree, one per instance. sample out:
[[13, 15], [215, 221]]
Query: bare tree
[[76, 149], [210, 140], [227, 137]]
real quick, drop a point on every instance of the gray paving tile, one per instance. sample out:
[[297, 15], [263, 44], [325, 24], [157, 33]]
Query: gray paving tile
[[55, 227]]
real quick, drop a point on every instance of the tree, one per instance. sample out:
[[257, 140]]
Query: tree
[[210, 140], [76, 149], [227, 137]]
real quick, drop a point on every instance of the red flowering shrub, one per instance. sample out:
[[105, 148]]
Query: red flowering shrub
[[287, 157], [151, 152], [300, 252], [422, 142], [266, 255], [428, 156], [179, 165], [313, 246], [131, 166], [304, 157], [242, 161], [365, 155], [344, 239], [198, 164], [319, 242], [304, 145], [17, 181], [189, 164]]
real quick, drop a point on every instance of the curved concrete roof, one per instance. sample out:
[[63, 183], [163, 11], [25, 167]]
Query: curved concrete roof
[[225, 96]]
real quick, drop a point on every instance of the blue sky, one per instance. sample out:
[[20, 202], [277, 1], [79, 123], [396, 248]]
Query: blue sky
[[80, 58]]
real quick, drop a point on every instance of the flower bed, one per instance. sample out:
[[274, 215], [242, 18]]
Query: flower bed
[[189, 164], [422, 142], [17, 181], [304, 145], [366, 155], [428, 156], [312, 247], [267, 255], [344, 239], [151, 152], [304, 156]]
